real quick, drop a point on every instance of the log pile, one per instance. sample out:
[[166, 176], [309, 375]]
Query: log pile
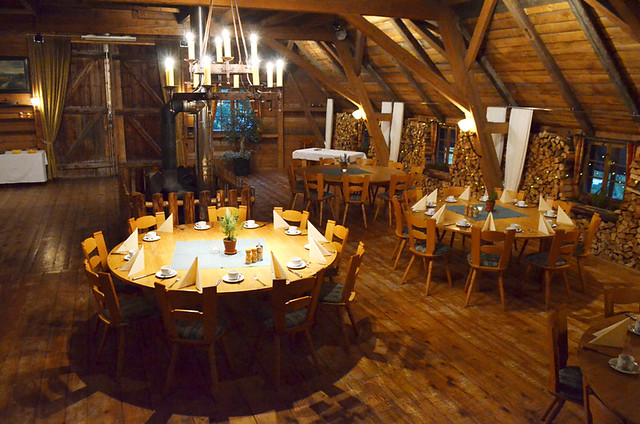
[[416, 143], [465, 167], [347, 134], [548, 167]]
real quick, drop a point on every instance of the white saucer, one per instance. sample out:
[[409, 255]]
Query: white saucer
[[613, 362], [484, 199], [173, 273], [518, 230], [429, 213], [206, 227], [226, 279], [451, 201], [522, 206], [633, 330], [157, 237], [292, 266], [245, 225], [546, 215], [127, 257], [297, 233], [431, 205], [463, 226]]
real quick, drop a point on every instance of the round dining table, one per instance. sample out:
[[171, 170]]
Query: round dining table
[[200, 243], [332, 174], [618, 391]]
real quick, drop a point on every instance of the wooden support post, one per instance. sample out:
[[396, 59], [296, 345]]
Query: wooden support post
[[280, 122], [189, 208], [233, 198], [204, 198], [139, 208], [173, 207], [119, 140], [158, 203]]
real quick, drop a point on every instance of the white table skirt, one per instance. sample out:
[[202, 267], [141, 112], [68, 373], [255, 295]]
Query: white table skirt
[[317, 153], [23, 167]]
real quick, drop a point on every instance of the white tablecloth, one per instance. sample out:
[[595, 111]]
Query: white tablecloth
[[23, 168], [318, 153]]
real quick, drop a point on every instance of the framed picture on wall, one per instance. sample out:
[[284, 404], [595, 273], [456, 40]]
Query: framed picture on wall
[[14, 75]]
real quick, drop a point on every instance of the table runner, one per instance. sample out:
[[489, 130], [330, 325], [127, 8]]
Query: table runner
[[316, 153], [338, 171], [499, 212], [186, 252]]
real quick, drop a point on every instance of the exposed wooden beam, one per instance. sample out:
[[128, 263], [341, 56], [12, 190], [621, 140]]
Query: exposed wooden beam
[[606, 53], [454, 43], [611, 14], [371, 120], [332, 55], [413, 9], [407, 59], [530, 32], [424, 97], [313, 72], [307, 111], [386, 89], [480, 30], [292, 33], [415, 45], [360, 49], [278, 18], [425, 32]]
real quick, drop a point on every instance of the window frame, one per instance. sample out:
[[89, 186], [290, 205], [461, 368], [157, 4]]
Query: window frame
[[586, 176], [450, 144]]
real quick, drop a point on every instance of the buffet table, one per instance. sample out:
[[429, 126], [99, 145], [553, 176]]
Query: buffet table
[[23, 167], [316, 153]]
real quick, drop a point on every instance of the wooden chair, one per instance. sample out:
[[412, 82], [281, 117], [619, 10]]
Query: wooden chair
[[413, 195], [422, 243], [395, 165], [355, 190], [415, 172], [115, 312], [555, 260], [293, 308], [337, 236], [367, 161], [620, 295], [583, 249], [341, 295], [191, 319], [143, 224], [402, 232], [217, 213], [298, 163], [398, 184], [296, 187], [96, 253], [160, 218], [566, 206], [315, 193], [298, 218], [453, 191], [493, 256], [565, 383], [327, 161]]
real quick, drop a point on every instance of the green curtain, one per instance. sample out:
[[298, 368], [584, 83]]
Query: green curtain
[[50, 69], [171, 49]]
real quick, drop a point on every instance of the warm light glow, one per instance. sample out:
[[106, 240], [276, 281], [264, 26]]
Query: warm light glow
[[253, 38], [467, 124], [35, 101], [255, 65], [191, 45], [169, 63], [218, 41], [270, 74], [226, 40], [279, 72], [358, 114], [206, 65], [168, 71]]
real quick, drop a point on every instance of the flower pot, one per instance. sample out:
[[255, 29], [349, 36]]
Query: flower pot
[[230, 247], [344, 167], [241, 166], [489, 206]]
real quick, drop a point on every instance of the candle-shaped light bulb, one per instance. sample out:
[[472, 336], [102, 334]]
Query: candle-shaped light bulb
[[168, 71], [219, 49], [279, 72], [226, 40], [206, 65], [191, 45], [270, 74], [236, 81], [255, 64], [254, 45]]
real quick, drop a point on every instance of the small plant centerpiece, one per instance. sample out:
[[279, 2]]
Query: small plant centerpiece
[[343, 160], [243, 127], [230, 228], [491, 202]]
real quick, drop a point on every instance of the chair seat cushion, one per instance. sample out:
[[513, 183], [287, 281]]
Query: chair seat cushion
[[405, 231], [134, 308], [194, 330], [440, 249], [385, 194], [331, 271], [570, 379], [356, 197], [331, 293], [490, 260], [300, 186], [292, 319], [314, 195], [579, 250], [542, 259]]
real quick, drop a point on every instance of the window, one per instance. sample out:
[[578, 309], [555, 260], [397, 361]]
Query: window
[[445, 143], [604, 169], [223, 111]]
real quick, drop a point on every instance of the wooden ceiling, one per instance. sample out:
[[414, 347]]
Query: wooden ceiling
[[576, 60]]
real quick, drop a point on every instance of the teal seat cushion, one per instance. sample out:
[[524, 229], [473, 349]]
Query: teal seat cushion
[[579, 250], [134, 308], [570, 379], [385, 195], [194, 330], [300, 186], [487, 260], [542, 259], [405, 231], [331, 293], [440, 249], [356, 197], [292, 319], [314, 194]]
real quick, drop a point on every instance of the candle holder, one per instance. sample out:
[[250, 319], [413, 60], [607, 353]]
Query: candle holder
[[170, 90]]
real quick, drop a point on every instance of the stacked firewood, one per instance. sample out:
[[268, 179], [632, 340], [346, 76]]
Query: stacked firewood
[[548, 167], [347, 134], [416, 143], [465, 167]]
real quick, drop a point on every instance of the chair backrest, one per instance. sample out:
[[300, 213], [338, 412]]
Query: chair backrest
[[217, 213], [620, 295], [591, 233], [355, 185], [398, 183], [416, 173], [398, 213], [292, 297], [327, 161], [188, 306], [421, 230], [293, 216], [563, 245], [453, 191], [367, 161], [353, 269], [566, 206], [314, 183], [414, 195], [395, 165], [333, 231], [495, 243], [297, 163], [95, 252], [143, 224], [101, 286], [558, 345]]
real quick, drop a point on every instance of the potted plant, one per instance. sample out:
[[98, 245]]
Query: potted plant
[[229, 226], [491, 202], [242, 127], [343, 160]]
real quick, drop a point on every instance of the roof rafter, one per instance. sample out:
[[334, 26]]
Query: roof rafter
[[480, 30], [613, 17], [415, 45]]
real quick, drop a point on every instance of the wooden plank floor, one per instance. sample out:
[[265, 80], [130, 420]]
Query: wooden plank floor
[[417, 359]]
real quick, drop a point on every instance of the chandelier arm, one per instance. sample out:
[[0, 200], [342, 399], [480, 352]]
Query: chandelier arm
[[244, 42], [207, 30], [234, 13]]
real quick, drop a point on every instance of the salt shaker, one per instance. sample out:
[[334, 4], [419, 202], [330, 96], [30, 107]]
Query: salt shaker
[[254, 255], [249, 256], [260, 251]]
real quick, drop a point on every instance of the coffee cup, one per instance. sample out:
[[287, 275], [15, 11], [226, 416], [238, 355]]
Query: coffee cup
[[296, 261], [520, 203], [430, 203], [450, 198], [166, 270], [515, 226], [250, 222], [293, 229], [233, 274], [151, 234], [201, 224], [484, 198], [463, 222], [132, 252], [551, 213], [431, 211], [550, 222], [625, 361]]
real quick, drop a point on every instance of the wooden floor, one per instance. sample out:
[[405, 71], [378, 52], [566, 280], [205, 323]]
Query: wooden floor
[[417, 359]]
